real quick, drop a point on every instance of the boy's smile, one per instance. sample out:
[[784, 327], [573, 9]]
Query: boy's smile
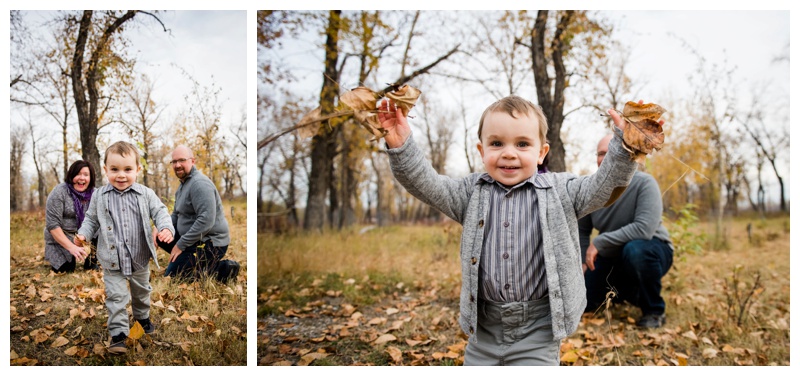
[[121, 170], [510, 147]]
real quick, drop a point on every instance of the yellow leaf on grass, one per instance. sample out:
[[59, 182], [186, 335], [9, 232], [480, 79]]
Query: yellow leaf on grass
[[728, 348], [136, 331], [71, 351], [458, 347], [384, 339], [569, 357], [683, 359], [395, 353], [99, 349], [60, 341], [185, 346]]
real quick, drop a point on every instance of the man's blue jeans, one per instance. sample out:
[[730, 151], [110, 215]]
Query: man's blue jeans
[[635, 276], [195, 260]]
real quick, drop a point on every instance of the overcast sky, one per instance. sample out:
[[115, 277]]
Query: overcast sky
[[210, 46]]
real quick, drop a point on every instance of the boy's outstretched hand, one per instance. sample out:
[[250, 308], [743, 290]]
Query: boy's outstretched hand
[[394, 122]]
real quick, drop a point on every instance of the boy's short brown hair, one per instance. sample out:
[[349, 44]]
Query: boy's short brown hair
[[122, 148], [515, 105]]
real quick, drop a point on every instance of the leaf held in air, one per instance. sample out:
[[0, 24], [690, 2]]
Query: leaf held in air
[[635, 112], [310, 118], [405, 97], [643, 133], [360, 98]]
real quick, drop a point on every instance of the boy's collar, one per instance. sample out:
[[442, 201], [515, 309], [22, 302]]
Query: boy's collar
[[538, 180], [136, 187]]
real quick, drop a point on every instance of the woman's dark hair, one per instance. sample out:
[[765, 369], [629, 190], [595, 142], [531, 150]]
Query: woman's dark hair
[[76, 168]]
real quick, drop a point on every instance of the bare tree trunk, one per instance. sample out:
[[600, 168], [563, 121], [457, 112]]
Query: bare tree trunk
[[321, 161], [552, 102]]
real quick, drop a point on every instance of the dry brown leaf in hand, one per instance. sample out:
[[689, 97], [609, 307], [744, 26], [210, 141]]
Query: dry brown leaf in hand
[[635, 112], [643, 133], [405, 97], [360, 98]]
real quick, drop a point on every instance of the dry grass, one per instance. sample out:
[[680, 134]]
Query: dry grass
[[203, 323], [310, 284]]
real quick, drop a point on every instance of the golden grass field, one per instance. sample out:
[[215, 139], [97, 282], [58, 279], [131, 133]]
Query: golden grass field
[[389, 296], [60, 319]]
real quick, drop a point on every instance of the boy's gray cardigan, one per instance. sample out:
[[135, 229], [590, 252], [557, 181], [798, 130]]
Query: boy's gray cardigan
[[562, 199], [99, 218]]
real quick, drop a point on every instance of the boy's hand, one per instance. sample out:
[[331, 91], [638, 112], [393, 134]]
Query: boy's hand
[[393, 120], [78, 252], [165, 236]]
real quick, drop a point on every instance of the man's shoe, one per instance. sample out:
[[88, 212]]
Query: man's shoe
[[227, 270], [148, 326], [652, 320], [118, 344]]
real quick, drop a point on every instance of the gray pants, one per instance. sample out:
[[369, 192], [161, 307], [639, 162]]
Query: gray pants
[[513, 334], [118, 296]]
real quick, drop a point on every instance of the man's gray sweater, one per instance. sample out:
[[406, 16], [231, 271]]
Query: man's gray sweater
[[198, 214], [635, 215]]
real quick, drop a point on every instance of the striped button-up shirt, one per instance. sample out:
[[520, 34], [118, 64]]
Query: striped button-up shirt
[[512, 262], [131, 242]]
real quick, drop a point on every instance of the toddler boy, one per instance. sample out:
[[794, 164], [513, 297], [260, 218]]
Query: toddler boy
[[522, 282], [122, 211]]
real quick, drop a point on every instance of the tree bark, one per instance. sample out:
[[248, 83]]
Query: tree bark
[[551, 99], [321, 161]]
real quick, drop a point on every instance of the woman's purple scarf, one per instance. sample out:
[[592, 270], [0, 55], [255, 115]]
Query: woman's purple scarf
[[77, 198]]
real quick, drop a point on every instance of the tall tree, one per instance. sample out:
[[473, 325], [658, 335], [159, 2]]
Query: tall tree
[[96, 37], [550, 48], [323, 143]]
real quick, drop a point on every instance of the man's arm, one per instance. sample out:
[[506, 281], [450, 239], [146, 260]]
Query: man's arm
[[647, 217]]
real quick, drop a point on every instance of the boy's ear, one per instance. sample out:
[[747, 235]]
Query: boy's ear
[[543, 152], [480, 148]]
